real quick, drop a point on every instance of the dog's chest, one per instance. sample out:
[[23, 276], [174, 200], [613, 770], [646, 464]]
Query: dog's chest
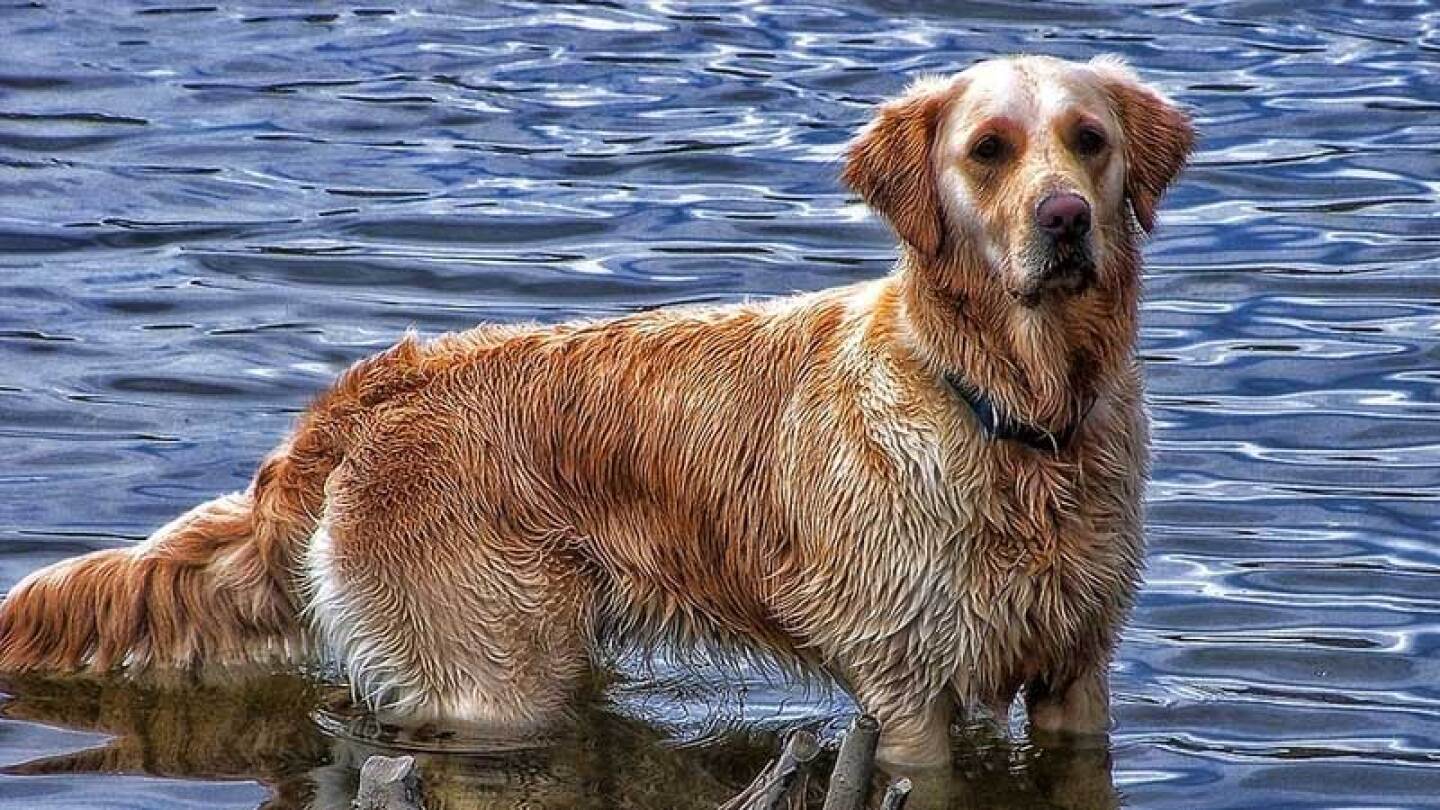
[[1026, 559], [988, 559]]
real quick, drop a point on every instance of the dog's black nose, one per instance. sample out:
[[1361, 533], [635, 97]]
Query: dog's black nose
[[1063, 215]]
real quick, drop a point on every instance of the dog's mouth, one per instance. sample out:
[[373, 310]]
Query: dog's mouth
[[1054, 268]]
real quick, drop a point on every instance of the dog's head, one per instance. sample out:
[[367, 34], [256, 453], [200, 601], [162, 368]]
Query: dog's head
[[1031, 167]]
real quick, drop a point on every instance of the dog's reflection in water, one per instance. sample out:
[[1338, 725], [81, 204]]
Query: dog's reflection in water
[[294, 737], [256, 729], [991, 771]]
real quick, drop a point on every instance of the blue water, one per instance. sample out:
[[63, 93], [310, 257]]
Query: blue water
[[206, 211]]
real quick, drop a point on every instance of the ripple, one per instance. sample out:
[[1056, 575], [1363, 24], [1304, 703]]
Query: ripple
[[209, 211]]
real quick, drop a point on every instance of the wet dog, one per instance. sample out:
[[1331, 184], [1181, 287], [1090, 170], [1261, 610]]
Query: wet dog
[[928, 486]]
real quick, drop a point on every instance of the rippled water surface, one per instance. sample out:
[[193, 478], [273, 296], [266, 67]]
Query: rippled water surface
[[206, 211]]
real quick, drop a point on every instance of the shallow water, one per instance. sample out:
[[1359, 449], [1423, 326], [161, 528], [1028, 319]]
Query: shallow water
[[206, 211]]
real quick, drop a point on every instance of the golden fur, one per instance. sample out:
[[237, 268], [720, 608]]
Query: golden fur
[[460, 523]]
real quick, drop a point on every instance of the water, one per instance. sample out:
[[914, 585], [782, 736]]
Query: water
[[205, 211]]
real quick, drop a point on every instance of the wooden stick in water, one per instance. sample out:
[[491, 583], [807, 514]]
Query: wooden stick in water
[[782, 784], [388, 783], [854, 766]]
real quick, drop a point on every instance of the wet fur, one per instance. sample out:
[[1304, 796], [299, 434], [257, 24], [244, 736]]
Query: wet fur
[[461, 523]]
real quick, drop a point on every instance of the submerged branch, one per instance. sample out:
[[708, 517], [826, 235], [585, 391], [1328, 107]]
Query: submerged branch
[[783, 783]]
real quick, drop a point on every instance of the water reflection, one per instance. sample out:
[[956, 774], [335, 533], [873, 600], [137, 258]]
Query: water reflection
[[298, 739], [993, 770], [265, 728], [254, 728]]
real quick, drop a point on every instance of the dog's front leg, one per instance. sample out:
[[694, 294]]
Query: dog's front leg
[[1078, 705], [912, 737], [1071, 721]]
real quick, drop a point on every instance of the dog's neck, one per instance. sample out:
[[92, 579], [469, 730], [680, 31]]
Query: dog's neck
[[1044, 366]]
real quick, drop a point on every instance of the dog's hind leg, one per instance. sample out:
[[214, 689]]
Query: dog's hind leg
[[433, 622]]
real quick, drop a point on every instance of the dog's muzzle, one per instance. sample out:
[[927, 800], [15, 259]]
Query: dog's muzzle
[[1058, 258]]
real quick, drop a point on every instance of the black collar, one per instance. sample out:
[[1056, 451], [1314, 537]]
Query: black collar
[[997, 426]]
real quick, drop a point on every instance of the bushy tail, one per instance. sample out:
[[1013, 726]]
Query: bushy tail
[[214, 585]]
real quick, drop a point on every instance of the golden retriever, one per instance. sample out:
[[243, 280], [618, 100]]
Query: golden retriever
[[927, 485]]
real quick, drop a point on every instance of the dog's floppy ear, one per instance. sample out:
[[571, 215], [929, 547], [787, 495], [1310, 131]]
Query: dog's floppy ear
[[889, 164], [1158, 137]]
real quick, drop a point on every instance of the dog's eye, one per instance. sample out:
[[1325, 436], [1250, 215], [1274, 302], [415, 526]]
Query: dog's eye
[[1089, 141], [988, 149]]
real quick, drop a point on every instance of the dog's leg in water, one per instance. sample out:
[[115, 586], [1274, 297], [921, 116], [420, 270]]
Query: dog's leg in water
[[1078, 706], [911, 737], [1071, 722], [469, 642], [434, 616], [915, 743]]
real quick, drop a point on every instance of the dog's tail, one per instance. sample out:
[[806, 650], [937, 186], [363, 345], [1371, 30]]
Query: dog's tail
[[219, 584], [215, 584]]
